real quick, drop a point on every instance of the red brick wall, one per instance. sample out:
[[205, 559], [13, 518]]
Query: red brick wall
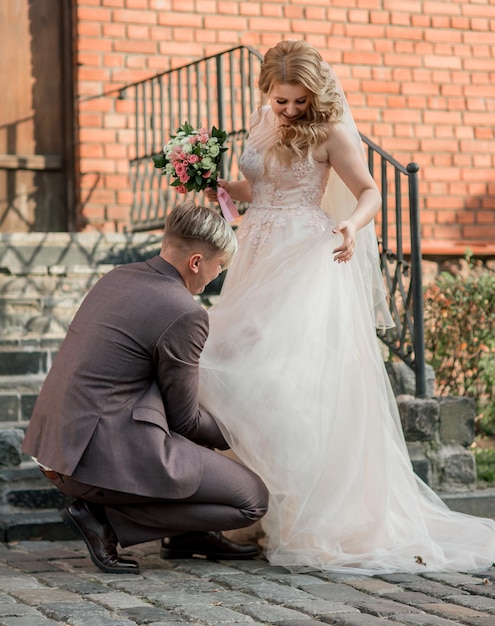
[[420, 77]]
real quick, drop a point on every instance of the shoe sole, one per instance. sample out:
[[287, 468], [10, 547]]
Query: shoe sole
[[73, 525], [165, 553]]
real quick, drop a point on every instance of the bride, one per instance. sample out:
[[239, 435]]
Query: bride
[[292, 369]]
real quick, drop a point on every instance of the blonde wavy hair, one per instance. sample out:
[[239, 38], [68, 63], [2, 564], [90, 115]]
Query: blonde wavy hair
[[296, 62]]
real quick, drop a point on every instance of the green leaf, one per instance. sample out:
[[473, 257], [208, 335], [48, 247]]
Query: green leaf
[[187, 128], [159, 160], [221, 135]]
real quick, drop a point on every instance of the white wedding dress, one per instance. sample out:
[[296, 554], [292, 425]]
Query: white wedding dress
[[293, 372]]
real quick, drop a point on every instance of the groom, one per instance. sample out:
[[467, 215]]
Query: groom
[[117, 425]]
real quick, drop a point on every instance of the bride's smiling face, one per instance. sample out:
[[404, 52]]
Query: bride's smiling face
[[289, 102]]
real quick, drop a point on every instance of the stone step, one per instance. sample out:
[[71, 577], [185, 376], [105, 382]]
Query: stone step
[[26, 356], [45, 276], [40, 305], [24, 364], [17, 397], [480, 502], [30, 505], [24, 476], [62, 253], [15, 362], [34, 525]]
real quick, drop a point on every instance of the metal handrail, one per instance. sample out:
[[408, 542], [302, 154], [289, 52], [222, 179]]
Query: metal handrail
[[220, 90], [403, 278]]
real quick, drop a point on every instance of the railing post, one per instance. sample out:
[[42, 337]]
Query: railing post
[[220, 100], [220, 92], [417, 281]]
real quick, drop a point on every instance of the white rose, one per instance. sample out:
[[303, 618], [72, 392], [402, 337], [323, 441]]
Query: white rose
[[214, 151]]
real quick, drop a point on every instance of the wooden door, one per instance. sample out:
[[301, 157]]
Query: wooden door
[[36, 159]]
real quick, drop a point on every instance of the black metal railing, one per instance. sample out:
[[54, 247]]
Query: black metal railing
[[401, 272], [220, 90]]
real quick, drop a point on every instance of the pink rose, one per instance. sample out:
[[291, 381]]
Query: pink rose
[[180, 168], [193, 139], [203, 138], [184, 177], [193, 158], [207, 175], [181, 189]]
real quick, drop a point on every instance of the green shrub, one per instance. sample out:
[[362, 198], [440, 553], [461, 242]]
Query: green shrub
[[485, 466], [460, 339]]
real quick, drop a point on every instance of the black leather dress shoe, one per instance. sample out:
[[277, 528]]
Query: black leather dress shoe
[[99, 539], [212, 545]]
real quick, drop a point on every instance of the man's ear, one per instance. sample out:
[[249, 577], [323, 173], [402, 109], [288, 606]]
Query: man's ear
[[194, 261]]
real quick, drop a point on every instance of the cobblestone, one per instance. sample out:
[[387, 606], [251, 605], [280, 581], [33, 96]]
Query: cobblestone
[[46, 583]]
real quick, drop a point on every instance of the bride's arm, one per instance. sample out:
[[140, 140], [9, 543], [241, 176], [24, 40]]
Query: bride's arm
[[239, 190], [346, 159]]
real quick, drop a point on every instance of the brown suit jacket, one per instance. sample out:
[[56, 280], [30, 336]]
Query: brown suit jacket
[[120, 400]]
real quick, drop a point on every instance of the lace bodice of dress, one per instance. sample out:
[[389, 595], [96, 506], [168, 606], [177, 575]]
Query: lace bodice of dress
[[277, 186]]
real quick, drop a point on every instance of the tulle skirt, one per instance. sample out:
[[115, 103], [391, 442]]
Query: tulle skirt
[[293, 372]]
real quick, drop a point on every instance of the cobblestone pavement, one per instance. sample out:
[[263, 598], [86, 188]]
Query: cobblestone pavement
[[47, 583]]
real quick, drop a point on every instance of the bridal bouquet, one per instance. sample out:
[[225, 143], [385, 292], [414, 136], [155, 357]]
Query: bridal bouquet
[[192, 158]]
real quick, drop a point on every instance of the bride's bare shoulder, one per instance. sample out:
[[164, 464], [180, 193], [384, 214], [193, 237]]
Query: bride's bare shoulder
[[338, 138]]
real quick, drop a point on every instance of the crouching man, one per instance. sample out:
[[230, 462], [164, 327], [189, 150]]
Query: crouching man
[[117, 424]]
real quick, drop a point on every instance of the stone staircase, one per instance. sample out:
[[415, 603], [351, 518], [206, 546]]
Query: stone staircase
[[29, 505], [43, 279]]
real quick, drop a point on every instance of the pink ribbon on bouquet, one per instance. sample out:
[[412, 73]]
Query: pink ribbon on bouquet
[[229, 210]]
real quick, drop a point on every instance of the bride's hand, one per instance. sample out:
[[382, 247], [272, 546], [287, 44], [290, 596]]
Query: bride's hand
[[344, 252], [211, 195]]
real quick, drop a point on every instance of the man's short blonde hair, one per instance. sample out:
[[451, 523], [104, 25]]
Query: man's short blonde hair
[[197, 224]]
